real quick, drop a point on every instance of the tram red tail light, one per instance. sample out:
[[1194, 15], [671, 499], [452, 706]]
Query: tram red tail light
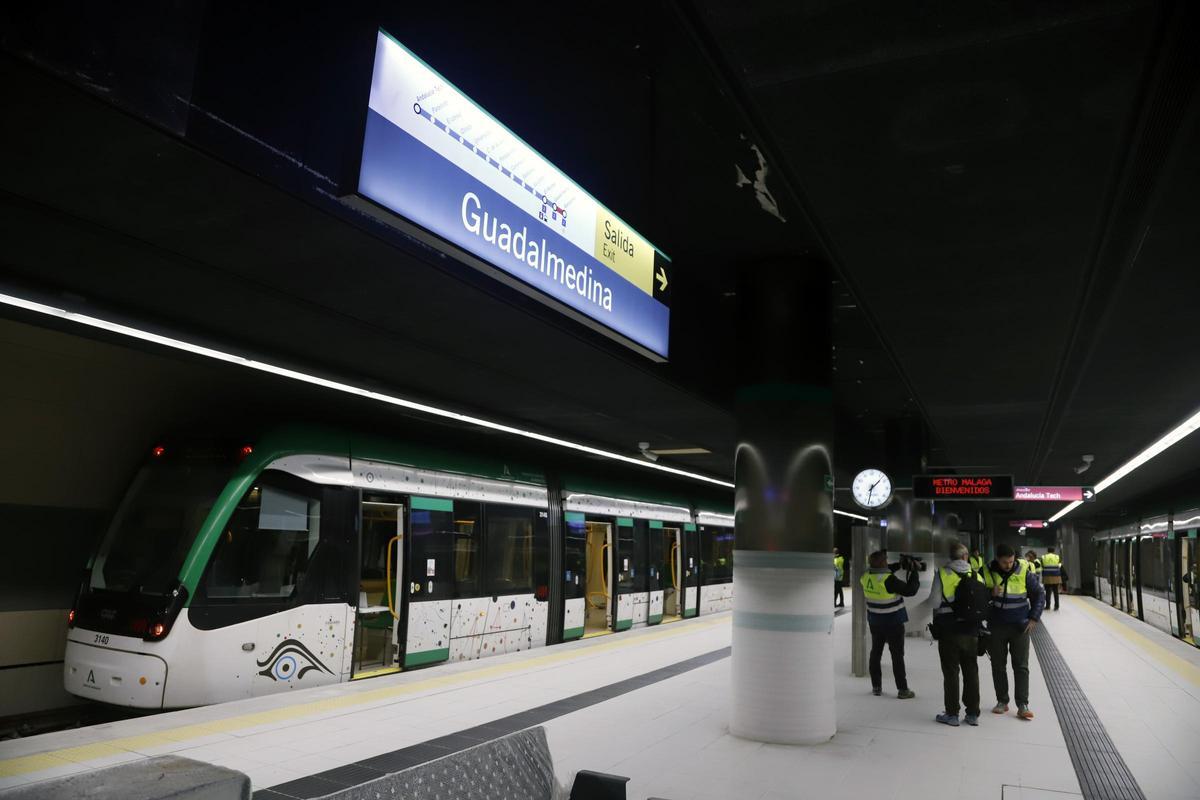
[[71, 618], [542, 592], [158, 630], [158, 451], [245, 451]]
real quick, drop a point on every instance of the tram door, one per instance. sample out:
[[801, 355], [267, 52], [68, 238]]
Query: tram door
[[381, 563], [1170, 550], [671, 570], [598, 599], [690, 564], [1190, 568], [1120, 565], [1131, 549]]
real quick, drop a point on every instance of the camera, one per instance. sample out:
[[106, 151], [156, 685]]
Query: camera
[[910, 563]]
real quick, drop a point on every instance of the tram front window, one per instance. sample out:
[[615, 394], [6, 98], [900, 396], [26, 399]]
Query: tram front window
[[155, 525]]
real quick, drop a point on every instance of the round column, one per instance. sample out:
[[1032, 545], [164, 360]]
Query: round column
[[783, 573]]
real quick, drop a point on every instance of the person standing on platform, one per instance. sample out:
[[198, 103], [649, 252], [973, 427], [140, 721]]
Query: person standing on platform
[[839, 570], [976, 560], [1034, 562], [1017, 602], [886, 615], [958, 636], [1052, 576]]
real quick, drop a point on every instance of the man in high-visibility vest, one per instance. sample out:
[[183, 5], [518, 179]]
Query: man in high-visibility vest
[[886, 615], [958, 639], [839, 572], [1052, 576], [976, 561], [1017, 602]]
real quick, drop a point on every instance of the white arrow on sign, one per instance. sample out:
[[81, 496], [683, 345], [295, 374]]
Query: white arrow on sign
[[662, 279], [1088, 493]]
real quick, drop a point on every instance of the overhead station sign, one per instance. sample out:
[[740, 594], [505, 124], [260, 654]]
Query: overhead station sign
[[962, 487], [1028, 523], [1055, 494], [432, 156]]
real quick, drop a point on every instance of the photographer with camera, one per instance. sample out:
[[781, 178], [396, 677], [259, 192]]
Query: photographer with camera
[[963, 603], [887, 616]]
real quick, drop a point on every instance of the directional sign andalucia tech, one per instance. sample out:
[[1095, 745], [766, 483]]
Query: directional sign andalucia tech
[[436, 159], [1055, 494]]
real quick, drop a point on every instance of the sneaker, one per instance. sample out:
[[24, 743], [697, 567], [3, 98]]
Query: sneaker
[[1024, 713], [906, 694], [948, 719], [1000, 708], [877, 692], [972, 720]]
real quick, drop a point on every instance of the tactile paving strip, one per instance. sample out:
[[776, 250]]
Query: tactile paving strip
[[1102, 773], [335, 780]]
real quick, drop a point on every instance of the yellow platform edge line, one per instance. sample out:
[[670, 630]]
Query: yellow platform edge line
[[38, 762], [1184, 668]]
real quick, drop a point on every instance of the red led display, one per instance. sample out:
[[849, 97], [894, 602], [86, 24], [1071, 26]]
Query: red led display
[[962, 487]]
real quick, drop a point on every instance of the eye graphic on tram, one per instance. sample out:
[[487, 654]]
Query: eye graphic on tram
[[290, 659]]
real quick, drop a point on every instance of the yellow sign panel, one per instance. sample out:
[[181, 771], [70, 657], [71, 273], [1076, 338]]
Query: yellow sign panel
[[622, 250]]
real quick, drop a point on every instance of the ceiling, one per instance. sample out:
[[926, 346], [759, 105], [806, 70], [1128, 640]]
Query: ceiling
[[1009, 189], [1005, 192]]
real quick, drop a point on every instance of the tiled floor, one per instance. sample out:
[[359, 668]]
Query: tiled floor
[[1145, 687], [672, 740], [671, 737]]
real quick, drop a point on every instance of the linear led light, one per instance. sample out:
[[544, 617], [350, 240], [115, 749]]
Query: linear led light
[[848, 514], [303, 377], [1185, 428]]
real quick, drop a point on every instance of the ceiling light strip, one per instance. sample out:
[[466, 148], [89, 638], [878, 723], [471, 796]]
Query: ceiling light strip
[[345, 388], [851, 516], [1180, 432]]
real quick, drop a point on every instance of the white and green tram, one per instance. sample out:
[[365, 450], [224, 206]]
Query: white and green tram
[[312, 557]]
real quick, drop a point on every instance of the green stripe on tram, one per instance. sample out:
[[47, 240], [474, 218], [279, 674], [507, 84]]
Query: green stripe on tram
[[432, 504], [426, 657]]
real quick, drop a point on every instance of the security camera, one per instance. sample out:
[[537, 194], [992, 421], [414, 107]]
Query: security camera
[[1086, 465], [646, 452]]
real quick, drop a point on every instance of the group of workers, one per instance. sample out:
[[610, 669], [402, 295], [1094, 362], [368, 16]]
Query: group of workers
[[977, 608]]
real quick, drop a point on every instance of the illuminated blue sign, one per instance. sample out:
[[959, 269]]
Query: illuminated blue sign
[[432, 156]]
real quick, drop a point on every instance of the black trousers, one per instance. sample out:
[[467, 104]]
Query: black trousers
[[891, 634], [838, 600], [1052, 594], [960, 653]]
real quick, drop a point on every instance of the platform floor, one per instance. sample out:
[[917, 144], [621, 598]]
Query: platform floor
[[670, 736]]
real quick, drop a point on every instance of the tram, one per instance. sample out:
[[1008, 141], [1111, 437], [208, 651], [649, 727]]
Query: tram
[[309, 558], [1150, 569]]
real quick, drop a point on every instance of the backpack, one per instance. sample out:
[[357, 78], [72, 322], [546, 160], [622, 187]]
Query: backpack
[[972, 599]]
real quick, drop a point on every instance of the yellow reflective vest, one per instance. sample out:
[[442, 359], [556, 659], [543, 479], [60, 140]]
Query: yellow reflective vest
[[882, 605], [839, 564]]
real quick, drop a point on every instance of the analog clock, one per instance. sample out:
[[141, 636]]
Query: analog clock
[[872, 488]]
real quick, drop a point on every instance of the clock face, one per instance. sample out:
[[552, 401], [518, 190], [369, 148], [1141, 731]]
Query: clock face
[[872, 489]]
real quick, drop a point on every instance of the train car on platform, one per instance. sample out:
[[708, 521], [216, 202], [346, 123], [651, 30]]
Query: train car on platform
[[1149, 570], [308, 558]]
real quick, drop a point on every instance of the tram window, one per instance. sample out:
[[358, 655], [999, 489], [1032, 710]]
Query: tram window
[[716, 555], [268, 546], [511, 546], [1154, 566], [445, 550], [156, 525], [575, 557], [467, 552], [658, 560], [640, 580], [625, 543]]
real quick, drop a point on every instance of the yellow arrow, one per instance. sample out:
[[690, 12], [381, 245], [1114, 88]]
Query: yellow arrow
[[662, 279]]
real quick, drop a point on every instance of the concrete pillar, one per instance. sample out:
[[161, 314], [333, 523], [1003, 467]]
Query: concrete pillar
[[920, 612], [783, 574]]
